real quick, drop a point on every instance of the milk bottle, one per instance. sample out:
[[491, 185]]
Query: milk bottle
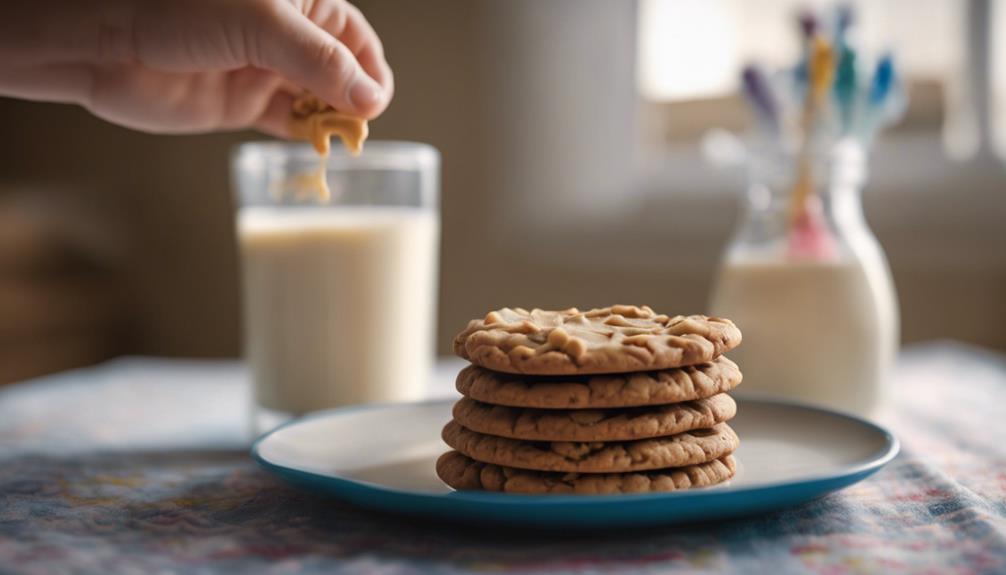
[[820, 323]]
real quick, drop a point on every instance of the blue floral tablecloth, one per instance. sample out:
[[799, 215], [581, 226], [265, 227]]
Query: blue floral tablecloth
[[140, 466]]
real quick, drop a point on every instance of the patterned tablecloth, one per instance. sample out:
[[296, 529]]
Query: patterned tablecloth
[[140, 466]]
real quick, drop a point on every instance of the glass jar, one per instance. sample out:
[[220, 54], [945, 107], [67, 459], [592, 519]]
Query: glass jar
[[811, 290]]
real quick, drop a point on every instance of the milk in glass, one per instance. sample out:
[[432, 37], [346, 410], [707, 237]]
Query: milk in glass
[[338, 304], [339, 291]]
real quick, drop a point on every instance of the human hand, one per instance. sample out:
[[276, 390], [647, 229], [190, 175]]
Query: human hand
[[189, 66]]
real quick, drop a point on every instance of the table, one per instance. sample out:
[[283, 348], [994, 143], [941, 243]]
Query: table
[[140, 465]]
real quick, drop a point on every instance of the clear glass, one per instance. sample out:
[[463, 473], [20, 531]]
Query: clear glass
[[819, 315], [339, 297]]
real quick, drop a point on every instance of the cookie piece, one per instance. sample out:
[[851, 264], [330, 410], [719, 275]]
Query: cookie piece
[[463, 473], [615, 339], [593, 424], [688, 448], [600, 391], [314, 120]]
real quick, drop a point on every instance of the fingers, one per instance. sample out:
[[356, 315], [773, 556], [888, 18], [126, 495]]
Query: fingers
[[56, 82], [137, 97], [275, 119], [347, 23], [248, 92], [290, 44]]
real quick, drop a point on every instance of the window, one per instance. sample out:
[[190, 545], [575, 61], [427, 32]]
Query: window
[[587, 147], [690, 54], [693, 49], [998, 65]]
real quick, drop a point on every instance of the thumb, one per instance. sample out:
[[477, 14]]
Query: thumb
[[293, 46]]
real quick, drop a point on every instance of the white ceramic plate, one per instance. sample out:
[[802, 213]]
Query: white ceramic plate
[[383, 457]]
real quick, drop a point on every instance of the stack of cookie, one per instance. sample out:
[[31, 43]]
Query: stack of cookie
[[611, 400]]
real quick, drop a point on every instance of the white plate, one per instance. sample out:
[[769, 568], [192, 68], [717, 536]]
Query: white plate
[[383, 457]]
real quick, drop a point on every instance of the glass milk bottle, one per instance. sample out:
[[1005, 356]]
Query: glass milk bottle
[[812, 295]]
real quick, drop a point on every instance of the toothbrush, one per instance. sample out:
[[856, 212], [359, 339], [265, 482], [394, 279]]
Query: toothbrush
[[759, 93], [846, 89], [807, 23], [808, 229], [821, 71], [884, 103], [844, 17]]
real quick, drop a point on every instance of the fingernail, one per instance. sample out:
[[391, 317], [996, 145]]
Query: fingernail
[[365, 94]]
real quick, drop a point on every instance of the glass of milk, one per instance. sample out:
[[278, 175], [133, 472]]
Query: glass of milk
[[821, 324], [339, 296]]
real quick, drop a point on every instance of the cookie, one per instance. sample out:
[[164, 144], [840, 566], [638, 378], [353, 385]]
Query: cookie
[[593, 424], [463, 473], [688, 448], [313, 120], [600, 391], [614, 339]]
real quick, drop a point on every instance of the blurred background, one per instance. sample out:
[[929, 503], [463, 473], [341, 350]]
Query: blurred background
[[573, 174]]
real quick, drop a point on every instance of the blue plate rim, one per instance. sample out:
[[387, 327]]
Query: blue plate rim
[[847, 475]]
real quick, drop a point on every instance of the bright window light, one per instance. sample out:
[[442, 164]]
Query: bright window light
[[692, 49], [687, 49], [999, 75]]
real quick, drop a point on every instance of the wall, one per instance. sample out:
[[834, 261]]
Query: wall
[[168, 201]]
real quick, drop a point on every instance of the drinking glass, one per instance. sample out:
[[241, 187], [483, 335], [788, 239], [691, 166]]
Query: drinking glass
[[339, 296]]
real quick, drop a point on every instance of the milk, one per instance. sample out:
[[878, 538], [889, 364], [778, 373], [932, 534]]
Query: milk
[[338, 303], [821, 332]]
